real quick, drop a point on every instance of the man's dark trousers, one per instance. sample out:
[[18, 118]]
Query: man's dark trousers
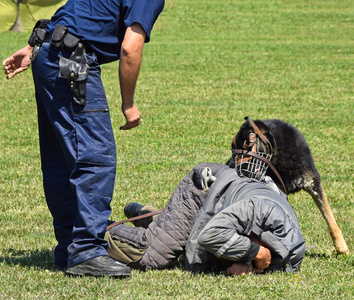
[[78, 157]]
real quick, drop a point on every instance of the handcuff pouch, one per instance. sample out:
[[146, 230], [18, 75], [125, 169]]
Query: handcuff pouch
[[70, 41], [58, 36]]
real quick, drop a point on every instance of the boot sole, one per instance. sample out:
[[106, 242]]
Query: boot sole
[[91, 271]]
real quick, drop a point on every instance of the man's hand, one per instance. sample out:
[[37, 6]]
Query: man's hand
[[18, 62], [241, 269], [132, 115], [263, 258]]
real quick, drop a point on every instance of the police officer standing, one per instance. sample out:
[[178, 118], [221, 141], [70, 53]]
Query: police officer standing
[[77, 145]]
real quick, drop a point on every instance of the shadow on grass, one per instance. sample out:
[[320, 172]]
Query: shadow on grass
[[319, 255], [44, 259], [40, 259]]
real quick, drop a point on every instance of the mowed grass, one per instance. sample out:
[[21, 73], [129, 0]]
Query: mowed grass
[[209, 64]]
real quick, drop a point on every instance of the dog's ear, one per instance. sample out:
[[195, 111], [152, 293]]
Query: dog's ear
[[241, 136], [233, 144], [237, 143]]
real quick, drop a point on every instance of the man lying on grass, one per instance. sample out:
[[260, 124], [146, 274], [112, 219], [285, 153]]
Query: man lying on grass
[[232, 220]]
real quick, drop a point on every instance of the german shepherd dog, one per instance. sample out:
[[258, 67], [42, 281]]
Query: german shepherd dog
[[293, 161]]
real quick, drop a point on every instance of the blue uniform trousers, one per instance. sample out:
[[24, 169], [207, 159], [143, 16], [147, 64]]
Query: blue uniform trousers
[[78, 157]]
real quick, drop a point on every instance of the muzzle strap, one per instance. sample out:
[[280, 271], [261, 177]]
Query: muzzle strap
[[257, 131], [260, 157]]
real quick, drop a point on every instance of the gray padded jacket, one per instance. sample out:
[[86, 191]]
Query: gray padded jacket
[[235, 209]]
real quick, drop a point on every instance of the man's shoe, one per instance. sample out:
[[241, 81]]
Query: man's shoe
[[134, 209], [100, 266]]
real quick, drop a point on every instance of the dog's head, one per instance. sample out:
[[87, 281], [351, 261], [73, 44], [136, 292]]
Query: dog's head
[[252, 149], [291, 155], [242, 138], [243, 134]]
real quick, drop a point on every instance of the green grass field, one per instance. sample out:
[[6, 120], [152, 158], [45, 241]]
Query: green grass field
[[209, 64]]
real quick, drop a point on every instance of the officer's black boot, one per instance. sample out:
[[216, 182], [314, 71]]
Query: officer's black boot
[[100, 266]]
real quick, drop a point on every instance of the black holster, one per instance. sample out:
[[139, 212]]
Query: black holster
[[39, 33], [75, 71], [38, 37]]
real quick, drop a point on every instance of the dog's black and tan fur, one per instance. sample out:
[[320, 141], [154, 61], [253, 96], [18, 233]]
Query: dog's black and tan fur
[[293, 160]]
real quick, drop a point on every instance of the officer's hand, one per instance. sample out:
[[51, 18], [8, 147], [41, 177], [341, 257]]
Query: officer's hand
[[241, 269], [132, 115], [263, 258], [18, 62]]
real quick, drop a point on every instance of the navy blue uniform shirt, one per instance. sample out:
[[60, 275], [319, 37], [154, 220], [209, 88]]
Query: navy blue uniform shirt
[[101, 24]]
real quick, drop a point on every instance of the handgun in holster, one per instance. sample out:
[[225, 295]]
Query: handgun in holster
[[75, 71]]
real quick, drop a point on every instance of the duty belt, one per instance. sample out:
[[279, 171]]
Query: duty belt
[[60, 39], [74, 69]]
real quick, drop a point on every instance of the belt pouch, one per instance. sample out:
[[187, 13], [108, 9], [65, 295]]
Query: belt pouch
[[70, 41], [58, 36]]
